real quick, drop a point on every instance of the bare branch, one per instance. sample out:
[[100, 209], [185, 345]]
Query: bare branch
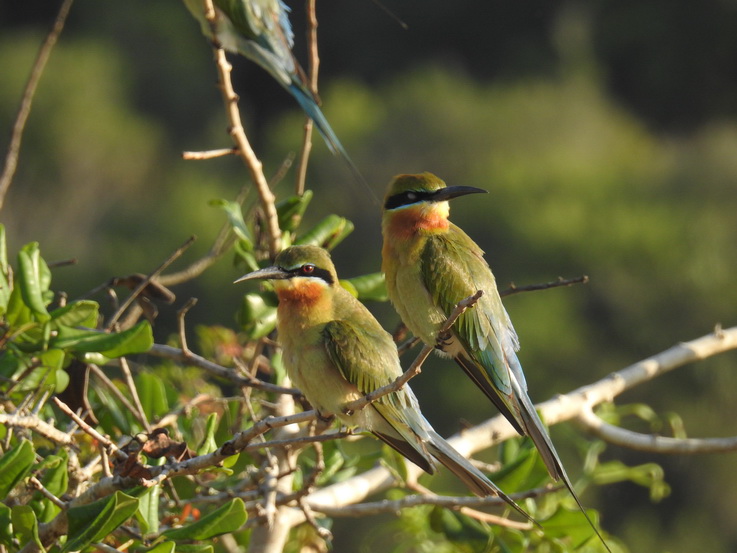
[[35, 482], [145, 282], [40, 427], [210, 154], [176, 354], [313, 66], [416, 366], [238, 134], [650, 442], [11, 158], [514, 289], [104, 440]]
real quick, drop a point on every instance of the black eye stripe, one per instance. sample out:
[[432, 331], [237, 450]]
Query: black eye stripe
[[406, 198], [317, 272]]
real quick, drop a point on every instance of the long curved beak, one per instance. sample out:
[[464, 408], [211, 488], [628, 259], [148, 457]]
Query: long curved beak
[[271, 273], [450, 192]]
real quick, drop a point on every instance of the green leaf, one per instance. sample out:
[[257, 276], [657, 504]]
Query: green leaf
[[148, 510], [648, 475], [90, 523], [228, 518], [370, 287], [6, 528], [235, 217], [570, 526], [163, 547], [14, 465], [291, 210], [4, 277], [328, 233], [136, 339], [25, 525], [78, 313], [208, 443], [152, 392], [56, 480], [257, 314], [33, 279], [395, 462], [194, 548]]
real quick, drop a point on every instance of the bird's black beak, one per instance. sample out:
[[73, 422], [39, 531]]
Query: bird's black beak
[[270, 273], [450, 192]]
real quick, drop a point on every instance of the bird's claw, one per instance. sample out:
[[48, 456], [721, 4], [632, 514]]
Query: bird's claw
[[443, 340]]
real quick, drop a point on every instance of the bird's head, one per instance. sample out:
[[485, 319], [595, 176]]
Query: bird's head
[[421, 201], [300, 273]]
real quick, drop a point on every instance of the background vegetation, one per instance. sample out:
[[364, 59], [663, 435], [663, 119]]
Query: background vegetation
[[605, 132]]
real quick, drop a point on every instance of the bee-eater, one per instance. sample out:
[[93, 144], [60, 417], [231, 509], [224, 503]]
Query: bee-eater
[[260, 30], [430, 265], [335, 352]]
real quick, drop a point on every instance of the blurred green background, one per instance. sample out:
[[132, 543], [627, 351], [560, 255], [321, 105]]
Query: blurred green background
[[605, 132]]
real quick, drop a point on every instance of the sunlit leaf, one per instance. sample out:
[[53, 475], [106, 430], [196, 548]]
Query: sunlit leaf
[[227, 518], [25, 525], [14, 465], [90, 523], [369, 287]]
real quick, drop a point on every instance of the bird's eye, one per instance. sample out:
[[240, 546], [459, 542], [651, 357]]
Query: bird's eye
[[411, 196], [308, 269]]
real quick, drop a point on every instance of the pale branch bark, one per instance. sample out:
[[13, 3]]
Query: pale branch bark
[[553, 411], [238, 134], [177, 354], [652, 442], [11, 157], [40, 427], [209, 154]]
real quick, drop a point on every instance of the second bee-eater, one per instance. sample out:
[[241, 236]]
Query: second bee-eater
[[430, 265], [260, 30], [335, 352]]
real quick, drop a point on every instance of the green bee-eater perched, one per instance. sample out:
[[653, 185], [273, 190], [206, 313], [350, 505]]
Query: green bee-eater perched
[[430, 265], [336, 352], [260, 30]]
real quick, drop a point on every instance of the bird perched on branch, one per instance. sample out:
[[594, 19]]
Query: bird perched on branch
[[336, 352], [430, 265], [260, 30]]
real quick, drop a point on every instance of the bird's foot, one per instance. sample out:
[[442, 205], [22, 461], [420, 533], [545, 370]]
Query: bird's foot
[[443, 340]]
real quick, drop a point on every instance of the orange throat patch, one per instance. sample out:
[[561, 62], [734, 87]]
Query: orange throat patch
[[300, 293], [407, 222]]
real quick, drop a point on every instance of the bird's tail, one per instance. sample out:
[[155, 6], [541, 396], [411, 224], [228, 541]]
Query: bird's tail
[[308, 103], [467, 473], [536, 431]]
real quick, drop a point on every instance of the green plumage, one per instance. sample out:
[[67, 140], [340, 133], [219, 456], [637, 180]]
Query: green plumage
[[336, 352], [430, 265]]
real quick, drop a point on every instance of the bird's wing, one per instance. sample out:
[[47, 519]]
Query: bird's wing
[[369, 360], [453, 268]]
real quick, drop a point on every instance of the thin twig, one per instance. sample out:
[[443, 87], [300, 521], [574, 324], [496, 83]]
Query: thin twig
[[238, 134], [476, 514], [650, 442], [181, 314], [139, 413], [145, 282], [98, 372], [36, 483], [11, 158], [302, 440], [104, 440], [177, 354], [416, 366], [514, 289], [210, 154], [313, 67]]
